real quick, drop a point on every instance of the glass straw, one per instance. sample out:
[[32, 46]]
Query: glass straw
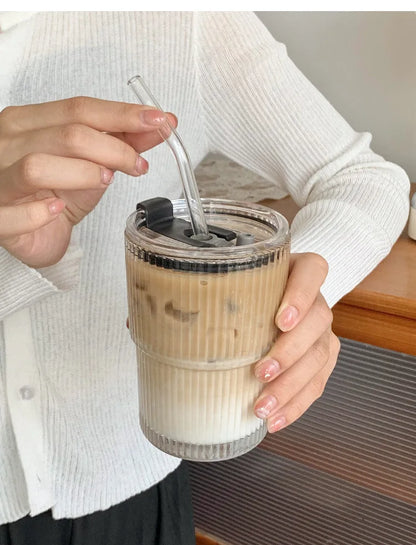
[[171, 137]]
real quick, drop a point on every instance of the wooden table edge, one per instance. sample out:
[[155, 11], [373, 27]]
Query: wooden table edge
[[203, 538]]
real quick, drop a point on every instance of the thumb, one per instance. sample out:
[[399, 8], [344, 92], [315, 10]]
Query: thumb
[[306, 276]]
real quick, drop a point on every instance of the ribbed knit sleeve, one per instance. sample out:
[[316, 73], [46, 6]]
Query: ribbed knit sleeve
[[263, 113], [21, 286]]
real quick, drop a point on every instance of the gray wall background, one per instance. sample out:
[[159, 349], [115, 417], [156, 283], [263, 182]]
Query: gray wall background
[[365, 65]]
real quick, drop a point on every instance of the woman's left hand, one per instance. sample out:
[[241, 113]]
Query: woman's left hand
[[304, 355]]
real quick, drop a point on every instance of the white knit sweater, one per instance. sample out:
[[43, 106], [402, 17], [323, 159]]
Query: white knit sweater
[[70, 438]]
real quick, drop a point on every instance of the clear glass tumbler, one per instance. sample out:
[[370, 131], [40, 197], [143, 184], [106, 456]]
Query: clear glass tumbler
[[200, 319]]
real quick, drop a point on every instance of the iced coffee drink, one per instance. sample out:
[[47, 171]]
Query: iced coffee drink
[[200, 318]]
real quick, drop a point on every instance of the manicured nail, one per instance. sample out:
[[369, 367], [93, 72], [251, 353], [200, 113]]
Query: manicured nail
[[276, 424], [287, 318], [56, 207], [267, 369], [107, 176], [142, 166], [152, 118], [265, 406]]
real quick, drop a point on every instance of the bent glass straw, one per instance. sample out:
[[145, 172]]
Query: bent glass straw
[[171, 137]]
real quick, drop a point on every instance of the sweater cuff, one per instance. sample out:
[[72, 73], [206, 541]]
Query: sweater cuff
[[22, 286], [350, 255]]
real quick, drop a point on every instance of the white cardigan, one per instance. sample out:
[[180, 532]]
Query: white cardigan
[[70, 438]]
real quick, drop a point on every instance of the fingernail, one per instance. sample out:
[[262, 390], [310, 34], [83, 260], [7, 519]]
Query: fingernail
[[267, 369], [287, 318], [56, 207], [265, 406], [276, 424], [153, 118], [107, 176], [142, 166]]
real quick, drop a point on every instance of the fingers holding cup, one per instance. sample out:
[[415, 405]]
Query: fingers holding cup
[[286, 399]]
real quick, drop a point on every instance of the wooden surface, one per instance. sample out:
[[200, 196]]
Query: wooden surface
[[205, 539], [381, 310], [357, 467]]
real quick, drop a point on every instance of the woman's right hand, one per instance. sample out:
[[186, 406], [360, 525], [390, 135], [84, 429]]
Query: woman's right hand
[[56, 161]]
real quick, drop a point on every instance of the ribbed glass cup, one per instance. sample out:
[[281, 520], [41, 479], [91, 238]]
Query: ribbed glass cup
[[200, 318]]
